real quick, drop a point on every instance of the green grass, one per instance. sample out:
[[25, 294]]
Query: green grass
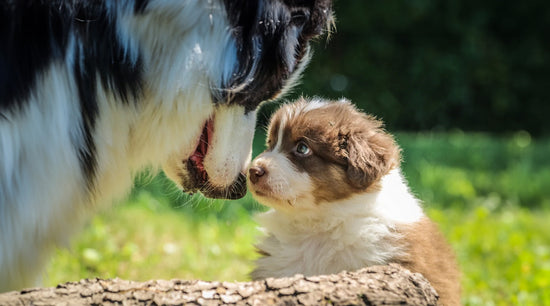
[[490, 196], [504, 255], [464, 170], [145, 239]]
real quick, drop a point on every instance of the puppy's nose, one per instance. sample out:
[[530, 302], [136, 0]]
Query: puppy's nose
[[255, 173]]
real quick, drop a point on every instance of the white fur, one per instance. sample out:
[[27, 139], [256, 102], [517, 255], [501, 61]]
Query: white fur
[[287, 191], [332, 237], [38, 157], [224, 165], [312, 104], [298, 108]]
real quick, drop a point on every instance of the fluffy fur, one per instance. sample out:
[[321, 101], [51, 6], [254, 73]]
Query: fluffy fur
[[339, 201], [93, 91]]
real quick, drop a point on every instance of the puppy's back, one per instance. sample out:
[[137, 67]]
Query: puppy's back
[[429, 254]]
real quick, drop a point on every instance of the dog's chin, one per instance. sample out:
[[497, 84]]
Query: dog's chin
[[192, 178], [196, 180]]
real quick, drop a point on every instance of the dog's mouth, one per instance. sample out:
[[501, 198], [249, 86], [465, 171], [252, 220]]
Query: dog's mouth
[[199, 176], [196, 161]]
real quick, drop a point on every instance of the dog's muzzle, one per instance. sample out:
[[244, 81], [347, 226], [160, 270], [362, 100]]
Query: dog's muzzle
[[216, 166]]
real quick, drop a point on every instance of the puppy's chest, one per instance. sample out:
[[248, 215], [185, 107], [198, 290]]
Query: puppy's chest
[[347, 246]]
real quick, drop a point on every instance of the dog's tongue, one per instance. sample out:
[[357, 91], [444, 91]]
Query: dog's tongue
[[202, 148]]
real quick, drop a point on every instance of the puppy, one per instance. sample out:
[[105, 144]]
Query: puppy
[[339, 201], [93, 91]]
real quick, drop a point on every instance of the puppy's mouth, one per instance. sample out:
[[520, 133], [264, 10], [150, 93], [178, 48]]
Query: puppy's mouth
[[270, 199], [198, 176], [265, 192]]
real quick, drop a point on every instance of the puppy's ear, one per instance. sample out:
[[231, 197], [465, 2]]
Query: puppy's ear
[[371, 154]]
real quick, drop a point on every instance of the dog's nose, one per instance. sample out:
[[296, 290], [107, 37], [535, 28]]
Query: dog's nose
[[255, 173]]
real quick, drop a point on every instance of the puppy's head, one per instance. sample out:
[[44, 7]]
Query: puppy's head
[[321, 151]]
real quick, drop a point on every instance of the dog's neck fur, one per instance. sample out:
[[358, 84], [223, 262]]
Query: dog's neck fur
[[344, 235]]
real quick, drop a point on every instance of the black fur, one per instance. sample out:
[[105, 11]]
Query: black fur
[[32, 35], [140, 6], [261, 29], [98, 52], [44, 29]]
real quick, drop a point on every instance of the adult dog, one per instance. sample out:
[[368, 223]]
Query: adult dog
[[93, 91]]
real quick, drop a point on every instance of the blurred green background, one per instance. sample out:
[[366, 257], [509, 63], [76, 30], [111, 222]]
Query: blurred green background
[[425, 64], [462, 85]]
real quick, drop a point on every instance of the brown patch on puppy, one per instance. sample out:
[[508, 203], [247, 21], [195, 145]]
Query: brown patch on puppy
[[372, 152], [351, 150], [429, 254], [273, 131]]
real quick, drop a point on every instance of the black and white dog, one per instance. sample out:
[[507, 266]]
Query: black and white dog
[[93, 91]]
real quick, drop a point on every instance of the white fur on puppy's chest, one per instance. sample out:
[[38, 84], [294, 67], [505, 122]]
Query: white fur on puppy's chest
[[346, 235]]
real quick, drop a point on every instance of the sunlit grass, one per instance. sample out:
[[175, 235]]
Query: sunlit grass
[[140, 241], [504, 255]]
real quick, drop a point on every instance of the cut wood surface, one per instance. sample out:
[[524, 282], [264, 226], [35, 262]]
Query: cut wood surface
[[378, 285]]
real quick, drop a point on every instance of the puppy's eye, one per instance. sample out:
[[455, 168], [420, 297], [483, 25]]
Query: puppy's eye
[[302, 149]]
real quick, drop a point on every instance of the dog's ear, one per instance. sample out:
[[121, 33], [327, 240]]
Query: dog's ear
[[371, 154]]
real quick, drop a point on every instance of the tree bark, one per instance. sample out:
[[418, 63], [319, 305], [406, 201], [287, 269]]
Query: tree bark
[[379, 285]]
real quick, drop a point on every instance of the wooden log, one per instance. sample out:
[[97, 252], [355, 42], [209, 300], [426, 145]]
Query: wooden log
[[378, 285]]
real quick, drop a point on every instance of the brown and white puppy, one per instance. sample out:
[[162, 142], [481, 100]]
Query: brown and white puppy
[[339, 201]]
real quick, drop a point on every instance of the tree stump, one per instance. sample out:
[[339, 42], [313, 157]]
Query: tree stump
[[378, 285]]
